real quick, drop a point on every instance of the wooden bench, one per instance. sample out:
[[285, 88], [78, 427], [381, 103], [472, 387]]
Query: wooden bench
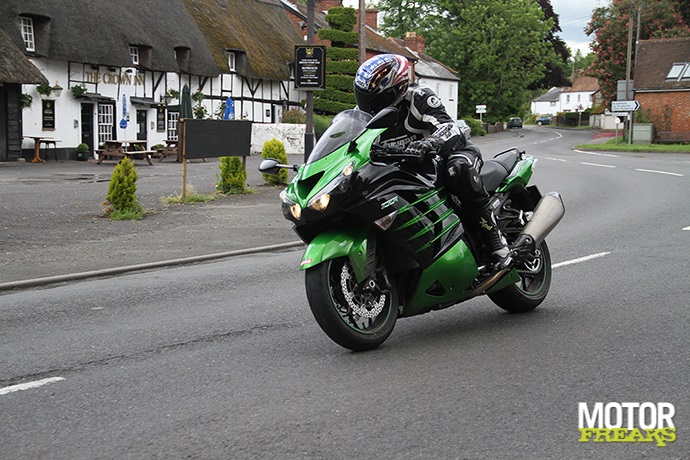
[[672, 137], [146, 153]]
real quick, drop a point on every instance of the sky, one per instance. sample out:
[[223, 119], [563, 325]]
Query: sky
[[573, 16]]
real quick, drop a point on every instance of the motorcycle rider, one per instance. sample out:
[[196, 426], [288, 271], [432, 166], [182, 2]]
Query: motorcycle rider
[[424, 128]]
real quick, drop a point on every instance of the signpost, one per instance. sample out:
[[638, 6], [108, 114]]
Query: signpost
[[480, 110], [310, 74], [626, 106]]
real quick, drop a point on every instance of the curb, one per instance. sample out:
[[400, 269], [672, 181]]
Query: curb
[[145, 266]]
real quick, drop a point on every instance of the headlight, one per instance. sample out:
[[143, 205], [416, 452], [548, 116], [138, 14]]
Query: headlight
[[295, 209], [338, 185]]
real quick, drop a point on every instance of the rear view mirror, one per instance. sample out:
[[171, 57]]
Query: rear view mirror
[[269, 166]]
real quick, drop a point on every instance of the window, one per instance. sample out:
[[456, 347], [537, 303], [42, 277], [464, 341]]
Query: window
[[567, 99], [231, 61], [106, 122], [27, 25], [451, 93], [173, 118], [677, 71], [686, 73], [134, 53]]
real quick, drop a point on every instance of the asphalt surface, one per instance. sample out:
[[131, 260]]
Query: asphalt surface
[[53, 230]]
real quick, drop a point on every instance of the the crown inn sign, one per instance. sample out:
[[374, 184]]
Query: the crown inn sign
[[310, 67]]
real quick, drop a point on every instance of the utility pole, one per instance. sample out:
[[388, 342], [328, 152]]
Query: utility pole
[[309, 134], [627, 72], [362, 32]]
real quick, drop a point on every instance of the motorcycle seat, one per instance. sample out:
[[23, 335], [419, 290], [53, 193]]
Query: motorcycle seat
[[496, 169]]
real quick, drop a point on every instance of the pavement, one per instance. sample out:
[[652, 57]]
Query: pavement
[[52, 227]]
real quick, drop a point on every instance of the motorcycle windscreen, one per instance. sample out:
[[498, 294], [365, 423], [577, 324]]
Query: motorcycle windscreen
[[346, 126]]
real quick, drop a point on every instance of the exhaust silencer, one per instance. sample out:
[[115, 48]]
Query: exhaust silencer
[[547, 214]]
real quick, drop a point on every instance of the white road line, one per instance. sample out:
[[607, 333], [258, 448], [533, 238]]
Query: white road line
[[598, 154], [596, 164], [686, 228], [659, 172], [581, 259], [556, 159], [29, 385]]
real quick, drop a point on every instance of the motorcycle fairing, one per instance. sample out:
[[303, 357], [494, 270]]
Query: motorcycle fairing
[[331, 244]]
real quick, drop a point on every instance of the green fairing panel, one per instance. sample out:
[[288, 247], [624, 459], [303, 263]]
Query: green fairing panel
[[333, 244], [331, 166], [449, 280], [519, 178]]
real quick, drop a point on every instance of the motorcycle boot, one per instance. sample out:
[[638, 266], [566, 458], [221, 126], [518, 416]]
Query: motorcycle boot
[[493, 238]]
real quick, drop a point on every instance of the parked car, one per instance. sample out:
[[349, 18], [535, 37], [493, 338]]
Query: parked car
[[544, 120], [515, 122], [464, 128]]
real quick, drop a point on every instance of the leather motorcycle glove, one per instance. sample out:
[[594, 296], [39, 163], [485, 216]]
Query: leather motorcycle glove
[[424, 147]]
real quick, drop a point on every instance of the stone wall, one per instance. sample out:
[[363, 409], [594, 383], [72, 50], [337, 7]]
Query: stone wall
[[291, 135]]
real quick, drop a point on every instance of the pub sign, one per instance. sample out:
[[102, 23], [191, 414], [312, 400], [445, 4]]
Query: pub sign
[[310, 67]]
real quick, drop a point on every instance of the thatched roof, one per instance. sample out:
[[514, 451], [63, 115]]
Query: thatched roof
[[14, 66], [259, 28], [100, 32], [655, 60]]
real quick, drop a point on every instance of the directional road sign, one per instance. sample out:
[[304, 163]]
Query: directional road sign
[[624, 106]]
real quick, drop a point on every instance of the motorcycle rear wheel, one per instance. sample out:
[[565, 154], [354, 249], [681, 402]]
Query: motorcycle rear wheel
[[351, 316], [534, 284]]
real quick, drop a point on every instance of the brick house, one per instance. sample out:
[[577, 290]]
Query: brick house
[[662, 84]]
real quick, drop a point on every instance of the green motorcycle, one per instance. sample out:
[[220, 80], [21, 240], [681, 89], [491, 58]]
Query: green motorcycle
[[385, 239]]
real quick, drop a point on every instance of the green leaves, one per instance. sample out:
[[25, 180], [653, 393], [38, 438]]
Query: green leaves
[[498, 47]]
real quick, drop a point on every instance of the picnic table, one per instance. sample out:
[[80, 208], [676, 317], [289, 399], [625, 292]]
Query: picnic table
[[124, 148], [169, 149], [38, 140]]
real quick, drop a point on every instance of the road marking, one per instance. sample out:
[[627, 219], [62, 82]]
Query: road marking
[[596, 164], [686, 228], [581, 259], [556, 159], [598, 154], [29, 385], [659, 172]]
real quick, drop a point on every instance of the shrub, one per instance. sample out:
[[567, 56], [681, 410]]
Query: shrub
[[275, 149], [475, 126], [82, 148], [294, 116], [232, 176], [121, 199]]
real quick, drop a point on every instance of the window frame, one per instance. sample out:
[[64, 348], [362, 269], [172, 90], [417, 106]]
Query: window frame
[[28, 31]]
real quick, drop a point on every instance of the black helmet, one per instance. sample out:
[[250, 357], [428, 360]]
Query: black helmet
[[381, 82]]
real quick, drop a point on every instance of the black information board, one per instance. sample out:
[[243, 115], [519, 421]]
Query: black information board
[[217, 138], [310, 67], [48, 114]]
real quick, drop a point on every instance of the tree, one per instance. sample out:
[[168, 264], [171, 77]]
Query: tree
[[342, 63], [557, 71], [610, 25], [499, 47]]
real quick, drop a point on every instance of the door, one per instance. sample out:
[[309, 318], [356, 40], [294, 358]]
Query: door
[[3, 124], [141, 125], [87, 125]]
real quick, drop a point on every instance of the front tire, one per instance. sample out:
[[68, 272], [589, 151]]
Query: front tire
[[534, 284], [353, 317]]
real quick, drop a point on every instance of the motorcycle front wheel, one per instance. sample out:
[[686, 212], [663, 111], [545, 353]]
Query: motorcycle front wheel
[[357, 316], [534, 284]]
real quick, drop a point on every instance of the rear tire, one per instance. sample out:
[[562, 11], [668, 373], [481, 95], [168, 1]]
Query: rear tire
[[534, 284], [351, 316]]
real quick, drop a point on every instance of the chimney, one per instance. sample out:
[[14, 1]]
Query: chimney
[[415, 43], [325, 5], [372, 18]]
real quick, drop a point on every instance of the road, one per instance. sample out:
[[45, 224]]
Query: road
[[223, 359]]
